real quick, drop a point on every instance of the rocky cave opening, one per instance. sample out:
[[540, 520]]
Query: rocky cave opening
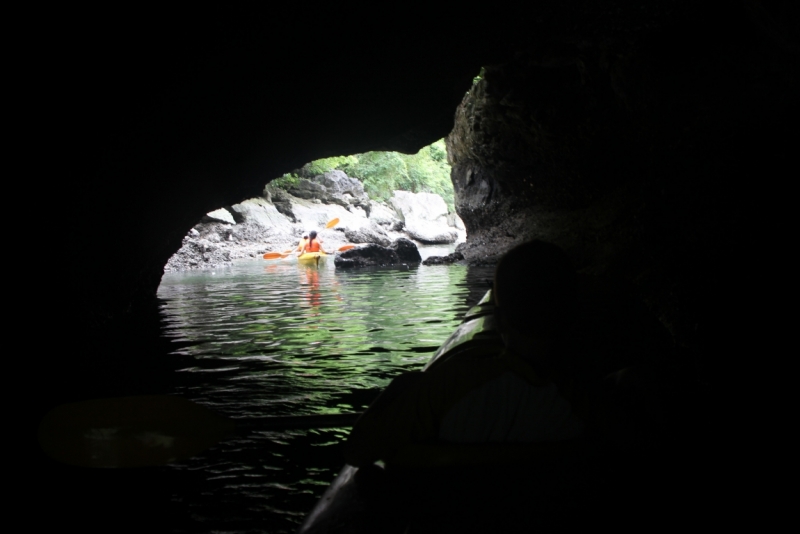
[[650, 142], [364, 202]]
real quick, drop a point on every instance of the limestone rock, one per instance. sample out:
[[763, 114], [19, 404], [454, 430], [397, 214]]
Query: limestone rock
[[430, 232], [260, 211], [285, 207], [275, 194], [338, 183], [382, 214], [313, 216], [455, 221], [308, 189], [425, 206], [425, 216], [443, 260], [344, 191], [220, 215], [372, 255], [358, 211], [368, 234], [406, 250]]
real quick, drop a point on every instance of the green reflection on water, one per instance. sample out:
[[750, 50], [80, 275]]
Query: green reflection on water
[[301, 336], [275, 339]]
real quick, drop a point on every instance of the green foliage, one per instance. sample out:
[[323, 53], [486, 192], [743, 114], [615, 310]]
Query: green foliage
[[438, 151], [427, 171], [321, 166], [381, 173], [479, 77], [284, 182]]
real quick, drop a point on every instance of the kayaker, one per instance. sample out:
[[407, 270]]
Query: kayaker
[[522, 394], [301, 244], [312, 245]]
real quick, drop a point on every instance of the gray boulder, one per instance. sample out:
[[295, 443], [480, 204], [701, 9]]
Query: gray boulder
[[219, 215], [406, 250], [308, 189], [455, 221], [443, 260], [425, 217], [285, 207], [343, 190], [430, 232], [382, 215], [338, 183], [368, 234], [426, 206], [281, 200], [261, 212], [400, 252]]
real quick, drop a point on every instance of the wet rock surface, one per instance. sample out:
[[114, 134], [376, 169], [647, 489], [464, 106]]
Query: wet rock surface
[[451, 258], [402, 251], [407, 251]]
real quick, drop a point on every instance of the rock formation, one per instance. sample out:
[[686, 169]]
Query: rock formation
[[424, 216], [343, 190], [453, 257], [219, 215], [276, 222], [651, 140], [402, 251], [369, 234]]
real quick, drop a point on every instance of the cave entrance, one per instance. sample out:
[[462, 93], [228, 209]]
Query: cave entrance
[[373, 197], [281, 337]]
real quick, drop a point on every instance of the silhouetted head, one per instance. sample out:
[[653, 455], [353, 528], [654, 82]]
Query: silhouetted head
[[312, 235], [305, 236], [535, 291]]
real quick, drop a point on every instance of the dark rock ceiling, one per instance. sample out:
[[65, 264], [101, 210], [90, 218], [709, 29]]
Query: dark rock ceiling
[[649, 139]]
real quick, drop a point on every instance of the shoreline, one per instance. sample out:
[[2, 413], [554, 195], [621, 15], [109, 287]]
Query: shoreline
[[256, 226]]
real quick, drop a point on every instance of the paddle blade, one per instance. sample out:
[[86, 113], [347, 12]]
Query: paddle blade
[[130, 431], [332, 223], [346, 247], [275, 255]]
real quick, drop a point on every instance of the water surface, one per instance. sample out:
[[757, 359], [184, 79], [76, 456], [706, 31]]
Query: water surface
[[278, 338]]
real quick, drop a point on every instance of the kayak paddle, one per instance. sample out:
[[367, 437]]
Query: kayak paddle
[[276, 255], [151, 430], [280, 255]]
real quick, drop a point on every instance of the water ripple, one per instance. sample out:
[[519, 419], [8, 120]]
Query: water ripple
[[281, 339]]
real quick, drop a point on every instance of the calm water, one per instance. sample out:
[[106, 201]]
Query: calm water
[[278, 339]]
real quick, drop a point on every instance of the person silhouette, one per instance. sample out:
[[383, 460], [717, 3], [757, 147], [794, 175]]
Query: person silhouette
[[523, 393]]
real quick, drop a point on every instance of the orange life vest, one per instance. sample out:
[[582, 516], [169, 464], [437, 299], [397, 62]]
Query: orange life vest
[[312, 246]]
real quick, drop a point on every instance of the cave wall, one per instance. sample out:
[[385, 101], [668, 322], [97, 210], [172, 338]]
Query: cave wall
[[650, 140], [636, 148], [140, 127]]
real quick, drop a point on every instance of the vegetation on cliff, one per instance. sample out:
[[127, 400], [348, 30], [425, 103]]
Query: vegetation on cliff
[[427, 171]]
